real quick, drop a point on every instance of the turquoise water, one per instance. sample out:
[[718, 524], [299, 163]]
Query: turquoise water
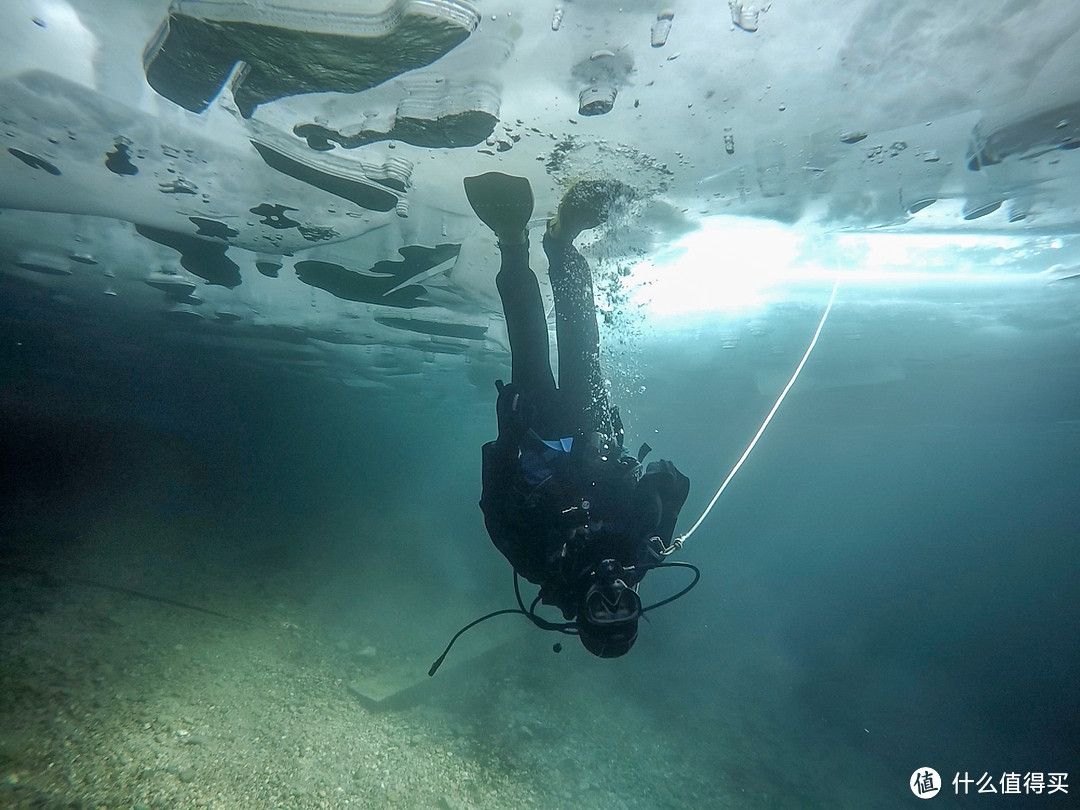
[[887, 584]]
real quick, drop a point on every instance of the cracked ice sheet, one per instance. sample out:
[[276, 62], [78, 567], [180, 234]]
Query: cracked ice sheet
[[72, 86]]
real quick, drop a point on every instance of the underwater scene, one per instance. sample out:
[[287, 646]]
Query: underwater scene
[[362, 362]]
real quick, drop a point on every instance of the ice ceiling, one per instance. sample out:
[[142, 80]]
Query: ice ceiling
[[284, 178]]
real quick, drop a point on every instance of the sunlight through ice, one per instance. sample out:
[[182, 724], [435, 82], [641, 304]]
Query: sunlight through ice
[[729, 265], [735, 265]]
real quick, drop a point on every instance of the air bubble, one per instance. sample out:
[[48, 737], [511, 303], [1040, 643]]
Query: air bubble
[[662, 27], [745, 17]]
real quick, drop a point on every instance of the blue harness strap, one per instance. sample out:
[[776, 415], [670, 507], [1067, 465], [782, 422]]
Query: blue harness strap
[[562, 445], [539, 457]]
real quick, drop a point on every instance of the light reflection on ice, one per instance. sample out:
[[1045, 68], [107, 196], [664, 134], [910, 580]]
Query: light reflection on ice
[[736, 266]]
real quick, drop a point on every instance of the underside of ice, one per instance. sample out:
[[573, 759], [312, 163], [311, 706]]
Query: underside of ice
[[242, 174]]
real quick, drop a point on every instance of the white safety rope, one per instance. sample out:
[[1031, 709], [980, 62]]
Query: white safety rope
[[678, 541]]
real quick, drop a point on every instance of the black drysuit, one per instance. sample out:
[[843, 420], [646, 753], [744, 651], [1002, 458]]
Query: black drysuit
[[559, 492]]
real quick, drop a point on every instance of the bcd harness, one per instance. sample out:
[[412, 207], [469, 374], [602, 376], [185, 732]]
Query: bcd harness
[[556, 507]]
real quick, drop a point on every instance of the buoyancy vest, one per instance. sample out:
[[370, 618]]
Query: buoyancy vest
[[555, 507]]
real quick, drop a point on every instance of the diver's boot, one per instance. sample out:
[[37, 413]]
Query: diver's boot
[[585, 205], [504, 203]]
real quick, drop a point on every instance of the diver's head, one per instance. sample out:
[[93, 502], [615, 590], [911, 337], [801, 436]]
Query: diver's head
[[607, 641], [608, 615]]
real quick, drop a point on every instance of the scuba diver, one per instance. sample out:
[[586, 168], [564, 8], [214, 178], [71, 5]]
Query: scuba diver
[[562, 499]]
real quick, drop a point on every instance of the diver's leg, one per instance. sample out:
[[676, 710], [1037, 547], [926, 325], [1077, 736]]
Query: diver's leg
[[581, 380], [504, 203], [526, 323], [586, 204]]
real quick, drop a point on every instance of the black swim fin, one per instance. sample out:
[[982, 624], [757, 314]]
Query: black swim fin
[[503, 202]]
